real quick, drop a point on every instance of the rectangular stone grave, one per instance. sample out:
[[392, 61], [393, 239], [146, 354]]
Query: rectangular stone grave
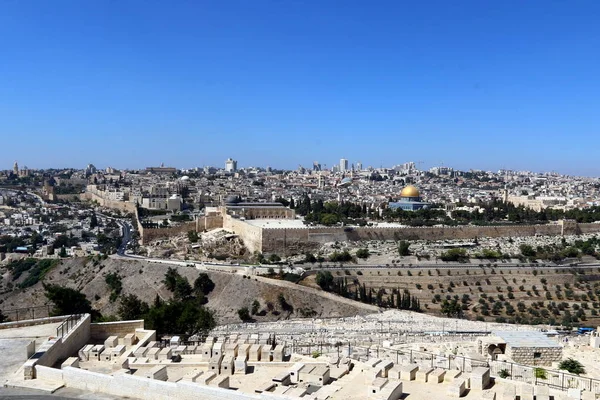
[[240, 365], [574, 394], [452, 375], [159, 373], [192, 376], [118, 350], [179, 350], [480, 378], [84, 353], [436, 376], [106, 354], [509, 392], [221, 381], [111, 341], [129, 340], [423, 374], [526, 392], [206, 377], [265, 354], [394, 373], [70, 362], [165, 354], [140, 351], [96, 351], [542, 392], [408, 372], [488, 395], [152, 353], [457, 388]]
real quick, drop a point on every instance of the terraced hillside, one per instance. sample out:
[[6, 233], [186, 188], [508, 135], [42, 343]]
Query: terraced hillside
[[568, 296]]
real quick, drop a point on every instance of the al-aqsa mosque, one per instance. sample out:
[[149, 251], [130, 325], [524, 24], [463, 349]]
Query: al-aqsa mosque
[[410, 200]]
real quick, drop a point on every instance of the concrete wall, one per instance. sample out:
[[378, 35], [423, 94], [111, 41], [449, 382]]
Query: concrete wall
[[101, 331], [58, 349], [143, 388]]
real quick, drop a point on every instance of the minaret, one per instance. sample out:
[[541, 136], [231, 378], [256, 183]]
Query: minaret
[[16, 168]]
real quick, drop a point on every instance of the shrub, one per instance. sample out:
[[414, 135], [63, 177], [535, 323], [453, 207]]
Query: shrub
[[572, 366]]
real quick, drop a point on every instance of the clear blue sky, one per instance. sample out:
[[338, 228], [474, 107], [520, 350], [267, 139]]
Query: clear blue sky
[[472, 84]]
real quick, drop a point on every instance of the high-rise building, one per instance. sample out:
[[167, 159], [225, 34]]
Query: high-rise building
[[343, 165], [16, 169], [359, 166], [316, 166], [230, 165]]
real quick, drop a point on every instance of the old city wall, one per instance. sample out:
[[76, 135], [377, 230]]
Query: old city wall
[[117, 205], [147, 235], [589, 228], [299, 240], [251, 235], [207, 223]]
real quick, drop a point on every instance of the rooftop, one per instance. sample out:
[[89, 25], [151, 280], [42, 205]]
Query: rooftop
[[526, 339]]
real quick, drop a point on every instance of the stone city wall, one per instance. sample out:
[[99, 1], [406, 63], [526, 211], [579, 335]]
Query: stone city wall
[[299, 240], [125, 206], [207, 223], [148, 234], [251, 235]]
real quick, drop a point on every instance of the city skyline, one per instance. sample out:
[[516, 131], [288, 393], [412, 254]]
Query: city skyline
[[468, 86]]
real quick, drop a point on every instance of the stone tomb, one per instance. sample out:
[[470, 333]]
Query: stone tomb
[[480, 378], [408, 372]]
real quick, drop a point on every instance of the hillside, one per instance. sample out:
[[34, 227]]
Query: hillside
[[232, 291], [524, 295]]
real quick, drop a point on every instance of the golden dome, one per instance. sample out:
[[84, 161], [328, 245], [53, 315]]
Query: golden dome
[[410, 191]]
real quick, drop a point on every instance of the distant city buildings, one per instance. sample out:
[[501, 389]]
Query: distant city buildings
[[230, 165], [343, 165]]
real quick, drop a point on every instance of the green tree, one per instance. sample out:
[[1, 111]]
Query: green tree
[[325, 280], [93, 221], [193, 236], [572, 366], [452, 308], [131, 307], [67, 301], [527, 250], [403, 248], [310, 258], [203, 284], [255, 307], [274, 258], [244, 314], [63, 252], [363, 253], [3, 318]]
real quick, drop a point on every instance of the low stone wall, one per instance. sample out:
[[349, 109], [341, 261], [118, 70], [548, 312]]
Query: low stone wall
[[125, 206], [136, 387], [103, 330]]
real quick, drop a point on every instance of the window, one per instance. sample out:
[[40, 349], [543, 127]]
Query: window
[[537, 355]]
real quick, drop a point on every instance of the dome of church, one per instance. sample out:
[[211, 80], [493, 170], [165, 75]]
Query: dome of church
[[410, 191]]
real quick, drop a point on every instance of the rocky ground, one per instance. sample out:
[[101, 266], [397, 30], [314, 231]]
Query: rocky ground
[[232, 290]]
